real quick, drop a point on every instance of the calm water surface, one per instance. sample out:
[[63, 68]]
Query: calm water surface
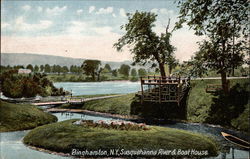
[[91, 88]]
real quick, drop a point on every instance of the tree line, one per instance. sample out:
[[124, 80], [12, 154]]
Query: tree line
[[92, 68]]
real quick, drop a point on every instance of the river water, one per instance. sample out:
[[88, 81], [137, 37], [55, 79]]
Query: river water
[[11, 146], [91, 88]]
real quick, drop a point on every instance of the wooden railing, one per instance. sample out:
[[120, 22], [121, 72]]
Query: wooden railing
[[163, 80], [213, 88]]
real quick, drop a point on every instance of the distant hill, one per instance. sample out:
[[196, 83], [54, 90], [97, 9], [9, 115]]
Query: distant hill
[[35, 59]]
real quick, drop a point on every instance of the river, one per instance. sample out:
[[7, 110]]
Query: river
[[11, 146], [107, 87]]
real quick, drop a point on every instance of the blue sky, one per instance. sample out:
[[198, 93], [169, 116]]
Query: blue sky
[[87, 29]]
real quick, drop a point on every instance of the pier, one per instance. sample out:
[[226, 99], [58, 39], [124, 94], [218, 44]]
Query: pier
[[163, 89]]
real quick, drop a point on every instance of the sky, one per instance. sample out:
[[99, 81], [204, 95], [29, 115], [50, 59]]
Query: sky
[[84, 29]]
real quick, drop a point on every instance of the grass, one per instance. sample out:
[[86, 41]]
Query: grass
[[227, 110], [21, 117], [65, 136], [115, 105]]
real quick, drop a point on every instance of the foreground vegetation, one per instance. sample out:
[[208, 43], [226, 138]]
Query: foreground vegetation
[[21, 117], [230, 110], [65, 136]]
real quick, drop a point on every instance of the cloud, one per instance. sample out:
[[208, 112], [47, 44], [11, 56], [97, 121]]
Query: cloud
[[165, 11], [39, 9], [21, 25], [87, 27], [85, 47], [105, 11], [56, 10], [4, 25], [103, 30], [26, 7], [91, 9], [76, 27], [154, 10], [79, 11], [122, 12]]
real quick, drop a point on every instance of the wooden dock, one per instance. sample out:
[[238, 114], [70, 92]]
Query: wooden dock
[[72, 100], [163, 89]]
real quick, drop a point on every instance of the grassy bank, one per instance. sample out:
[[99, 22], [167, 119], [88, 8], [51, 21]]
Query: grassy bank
[[115, 105], [65, 136], [230, 110], [21, 116]]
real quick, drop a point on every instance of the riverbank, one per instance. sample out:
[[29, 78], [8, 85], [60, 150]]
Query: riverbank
[[69, 136], [229, 111], [16, 117]]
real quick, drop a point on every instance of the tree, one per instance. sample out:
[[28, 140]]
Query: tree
[[107, 67], [41, 68], [47, 68], [91, 67], [172, 63], [65, 69], [146, 45], [114, 73], [124, 70], [133, 72], [225, 25], [142, 72], [36, 68], [29, 66]]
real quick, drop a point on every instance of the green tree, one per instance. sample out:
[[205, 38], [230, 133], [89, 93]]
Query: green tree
[[142, 72], [107, 67], [36, 68], [124, 70], [59, 69], [47, 68], [29, 66], [73, 69], [133, 72], [145, 44], [172, 63], [91, 67], [41, 68], [114, 73], [65, 69], [225, 25]]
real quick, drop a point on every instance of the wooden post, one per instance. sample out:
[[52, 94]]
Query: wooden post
[[160, 91], [142, 90]]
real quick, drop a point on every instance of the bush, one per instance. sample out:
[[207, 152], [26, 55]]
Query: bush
[[16, 85]]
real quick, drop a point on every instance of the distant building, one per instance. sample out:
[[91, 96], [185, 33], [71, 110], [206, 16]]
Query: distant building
[[24, 71]]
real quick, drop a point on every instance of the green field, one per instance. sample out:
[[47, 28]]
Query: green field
[[65, 136], [21, 117]]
